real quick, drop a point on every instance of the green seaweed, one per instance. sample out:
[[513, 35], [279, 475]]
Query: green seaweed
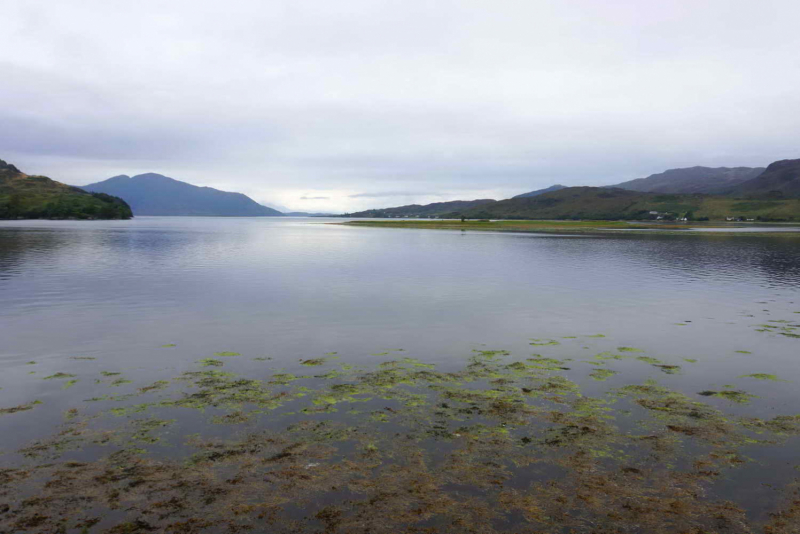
[[313, 362], [226, 354], [543, 342], [602, 374], [492, 444], [737, 396], [764, 376], [120, 382], [59, 376], [609, 356], [21, 408]]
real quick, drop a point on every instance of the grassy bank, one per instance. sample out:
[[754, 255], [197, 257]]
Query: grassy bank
[[593, 227]]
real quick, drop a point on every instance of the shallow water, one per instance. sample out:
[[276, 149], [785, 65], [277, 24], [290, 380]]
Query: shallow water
[[87, 298]]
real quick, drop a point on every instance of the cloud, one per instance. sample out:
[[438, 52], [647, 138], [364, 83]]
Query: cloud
[[393, 194], [315, 198], [360, 98]]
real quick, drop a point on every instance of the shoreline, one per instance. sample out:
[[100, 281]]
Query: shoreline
[[583, 227]]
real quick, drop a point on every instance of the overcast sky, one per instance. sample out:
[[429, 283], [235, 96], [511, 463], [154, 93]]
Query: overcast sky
[[339, 105]]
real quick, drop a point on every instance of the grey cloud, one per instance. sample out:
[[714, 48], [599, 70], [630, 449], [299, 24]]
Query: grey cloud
[[380, 100], [393, 194], [315, 198]]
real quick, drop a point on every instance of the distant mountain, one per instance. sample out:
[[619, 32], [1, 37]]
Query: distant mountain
[[307, 214], [428, 210], [39, 197], [154, 194], [781, 179], [692, 180], [603, 203], [542, 191]]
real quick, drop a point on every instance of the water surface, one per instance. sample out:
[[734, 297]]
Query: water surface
[[149, 298]]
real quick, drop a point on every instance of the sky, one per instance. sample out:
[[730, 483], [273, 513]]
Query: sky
[[347, 105]]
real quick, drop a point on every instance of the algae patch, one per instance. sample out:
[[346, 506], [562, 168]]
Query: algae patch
[[21, 408], [764, 376]]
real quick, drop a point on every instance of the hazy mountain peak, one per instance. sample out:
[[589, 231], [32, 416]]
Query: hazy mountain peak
[[155, 194]]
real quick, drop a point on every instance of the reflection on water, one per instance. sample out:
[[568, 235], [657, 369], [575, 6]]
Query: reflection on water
[[299, 287], [94, 313]]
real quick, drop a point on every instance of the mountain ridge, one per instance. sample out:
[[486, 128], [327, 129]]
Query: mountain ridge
[[604, 203], [156, 194], [780, 179], [692, 180], [538, 192]]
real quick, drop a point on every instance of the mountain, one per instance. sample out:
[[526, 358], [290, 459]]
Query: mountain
[[542, 191], [429, 210], [39, 197], [692, 180], [603, 203], [781, 179], [154, 194], [307, 214]]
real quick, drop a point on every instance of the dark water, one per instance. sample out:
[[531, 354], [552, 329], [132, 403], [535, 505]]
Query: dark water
[[293, 289]]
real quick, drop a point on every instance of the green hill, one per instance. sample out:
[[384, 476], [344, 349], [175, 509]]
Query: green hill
[[39, 197], [600, 203], [780, 180], [436, 209], [538, 192]]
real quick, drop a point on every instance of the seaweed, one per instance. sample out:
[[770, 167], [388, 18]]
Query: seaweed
[[495, 444], [732, 395], [602, 374], [544, 342], [59, 376], [764, 376], [21, 408]]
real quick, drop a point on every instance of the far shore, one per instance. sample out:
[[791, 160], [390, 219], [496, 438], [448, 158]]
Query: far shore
[[586, 227]]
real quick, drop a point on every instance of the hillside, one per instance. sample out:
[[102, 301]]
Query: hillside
[[538, 192], [614, 204], [39, 197], [309, 214], [780, 180], [154, 194], [428, 210], [693, 180]]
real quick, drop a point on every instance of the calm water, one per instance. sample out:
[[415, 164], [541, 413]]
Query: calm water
[[293, 289]]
